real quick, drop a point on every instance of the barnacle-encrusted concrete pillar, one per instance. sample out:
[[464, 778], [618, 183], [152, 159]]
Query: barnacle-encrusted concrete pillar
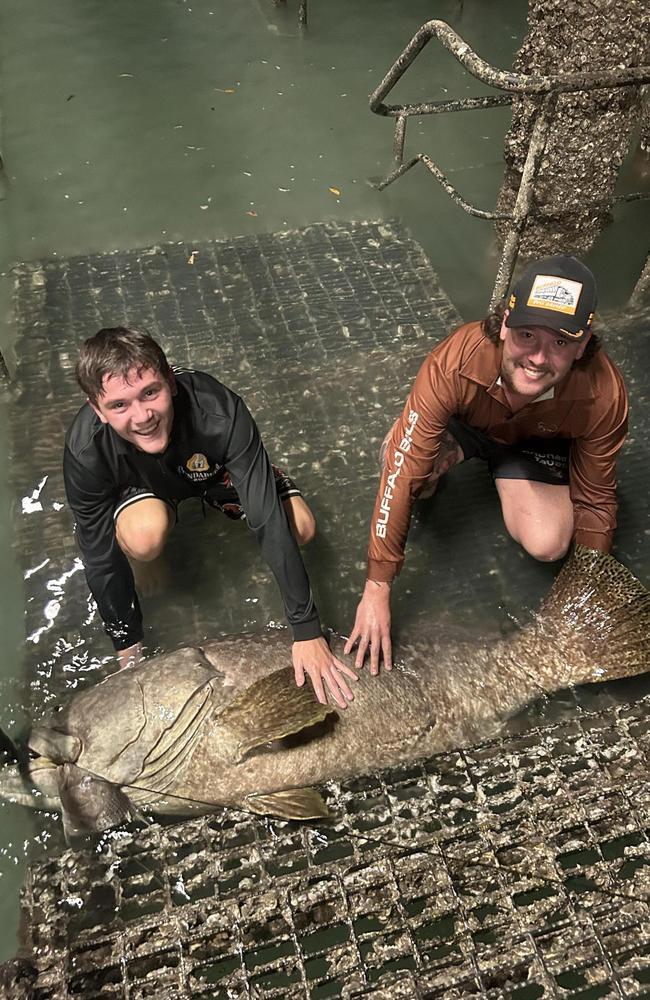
[[592, 131]]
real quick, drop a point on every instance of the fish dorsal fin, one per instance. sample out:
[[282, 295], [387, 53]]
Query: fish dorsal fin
[[175, 745], [269, 709], [291, 803]]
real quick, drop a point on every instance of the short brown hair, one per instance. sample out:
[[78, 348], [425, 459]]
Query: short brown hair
[[491, 327], [117, 351]]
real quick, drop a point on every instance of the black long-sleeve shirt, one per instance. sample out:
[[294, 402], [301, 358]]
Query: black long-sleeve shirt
[[212, 431]]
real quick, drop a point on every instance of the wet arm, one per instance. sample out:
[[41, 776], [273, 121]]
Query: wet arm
[[252, 476], [107, 569], [410, 459]]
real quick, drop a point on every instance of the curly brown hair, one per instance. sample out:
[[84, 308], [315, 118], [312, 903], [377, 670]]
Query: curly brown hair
[[491, 327]]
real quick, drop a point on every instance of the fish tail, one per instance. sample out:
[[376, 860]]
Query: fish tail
[[594, 624]]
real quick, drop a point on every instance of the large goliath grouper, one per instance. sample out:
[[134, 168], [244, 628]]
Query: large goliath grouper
[[223, 724]]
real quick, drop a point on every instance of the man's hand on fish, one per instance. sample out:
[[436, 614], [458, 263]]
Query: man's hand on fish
[[314, 657], [131, 656], [372, 627]]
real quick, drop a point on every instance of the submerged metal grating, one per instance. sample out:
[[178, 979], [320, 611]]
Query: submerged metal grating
[[502, 872], [520, 869]]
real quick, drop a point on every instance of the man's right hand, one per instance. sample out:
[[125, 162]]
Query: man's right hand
[[372, 627], [130, 657]]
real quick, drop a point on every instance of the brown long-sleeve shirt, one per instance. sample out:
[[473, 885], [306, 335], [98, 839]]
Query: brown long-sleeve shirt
[[461, 377]]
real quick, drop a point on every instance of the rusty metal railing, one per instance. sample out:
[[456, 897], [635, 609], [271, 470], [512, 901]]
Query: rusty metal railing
[[546, 88]]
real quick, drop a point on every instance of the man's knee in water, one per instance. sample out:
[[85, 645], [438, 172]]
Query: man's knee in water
[[539, 516], [141, 529], [546, 542], [544, 538], [547, 546]]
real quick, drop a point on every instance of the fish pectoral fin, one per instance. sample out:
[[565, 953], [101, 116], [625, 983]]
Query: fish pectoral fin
[[175, 745], [269, 709], [292, 803]]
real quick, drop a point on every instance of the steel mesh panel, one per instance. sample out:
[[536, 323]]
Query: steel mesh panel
[[519, 869]]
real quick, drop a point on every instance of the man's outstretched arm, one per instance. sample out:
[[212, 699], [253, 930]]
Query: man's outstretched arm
[[410, 460], [252, 476]]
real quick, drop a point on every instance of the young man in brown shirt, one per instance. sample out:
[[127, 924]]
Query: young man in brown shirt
[[528, 390]]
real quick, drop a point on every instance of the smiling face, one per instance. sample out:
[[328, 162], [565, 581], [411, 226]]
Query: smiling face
[[139, 408], [535, 358]]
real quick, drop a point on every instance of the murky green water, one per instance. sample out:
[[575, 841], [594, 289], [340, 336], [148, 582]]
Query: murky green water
[[124, 125]]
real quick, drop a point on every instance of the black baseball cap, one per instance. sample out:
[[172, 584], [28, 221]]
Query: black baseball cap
[[556, 292]]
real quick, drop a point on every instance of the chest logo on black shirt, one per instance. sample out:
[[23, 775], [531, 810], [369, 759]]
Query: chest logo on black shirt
[[197, 463], [197, 468]]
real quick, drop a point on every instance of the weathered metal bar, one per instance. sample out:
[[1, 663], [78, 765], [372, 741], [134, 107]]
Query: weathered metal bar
[[632, 196], [641, 293], [515, 84], [442, 179], [442, 107], [519, 83], [524, 199], [398, 140]]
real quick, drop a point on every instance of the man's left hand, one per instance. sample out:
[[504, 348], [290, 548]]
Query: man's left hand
[[314, 657]]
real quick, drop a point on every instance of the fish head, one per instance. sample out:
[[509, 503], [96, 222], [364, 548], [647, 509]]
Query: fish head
[[43, 775], [126, 719], [87, 803]]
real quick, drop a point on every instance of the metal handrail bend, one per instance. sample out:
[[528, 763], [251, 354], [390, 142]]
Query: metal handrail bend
[[547, 88]]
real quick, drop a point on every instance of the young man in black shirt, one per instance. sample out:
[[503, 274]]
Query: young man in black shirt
[[148, 438]]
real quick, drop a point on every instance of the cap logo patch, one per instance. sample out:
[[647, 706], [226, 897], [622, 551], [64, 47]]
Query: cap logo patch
[[557, 294]]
